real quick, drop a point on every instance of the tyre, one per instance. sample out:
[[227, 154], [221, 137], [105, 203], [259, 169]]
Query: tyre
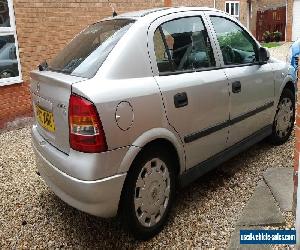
[[284, 119], [148, 193]]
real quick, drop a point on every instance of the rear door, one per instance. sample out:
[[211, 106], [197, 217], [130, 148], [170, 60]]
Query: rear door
[[251, 84], [194, 89]]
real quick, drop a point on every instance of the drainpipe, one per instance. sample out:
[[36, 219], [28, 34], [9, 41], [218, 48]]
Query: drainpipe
[[297, 187], [214, 4], [286, 19], [298, 214]]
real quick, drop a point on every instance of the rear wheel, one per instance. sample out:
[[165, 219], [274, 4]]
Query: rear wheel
[[284, 119], [148, 193]]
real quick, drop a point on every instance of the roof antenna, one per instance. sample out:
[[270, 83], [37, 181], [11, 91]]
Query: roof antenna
[[113, 6]]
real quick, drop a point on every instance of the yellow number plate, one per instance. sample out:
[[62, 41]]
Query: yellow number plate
[[45, 118]]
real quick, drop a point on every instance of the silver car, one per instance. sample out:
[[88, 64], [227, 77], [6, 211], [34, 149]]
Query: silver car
[[139, 104]]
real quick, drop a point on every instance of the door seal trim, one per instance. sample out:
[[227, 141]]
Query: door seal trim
[[207, 131], [203, 167]]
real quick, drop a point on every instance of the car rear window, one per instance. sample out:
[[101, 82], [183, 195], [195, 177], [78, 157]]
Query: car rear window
[[84, 55]]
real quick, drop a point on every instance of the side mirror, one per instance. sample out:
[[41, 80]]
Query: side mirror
[[263, 55]]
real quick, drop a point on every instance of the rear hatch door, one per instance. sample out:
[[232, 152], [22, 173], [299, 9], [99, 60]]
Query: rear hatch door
[[50, 95]]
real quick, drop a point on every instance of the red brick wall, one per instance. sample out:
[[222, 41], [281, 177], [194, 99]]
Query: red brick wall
[[289, 20], [43, 28], [201, 3], [14, 102]]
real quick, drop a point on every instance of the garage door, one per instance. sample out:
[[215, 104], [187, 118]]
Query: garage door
[[296, 20]]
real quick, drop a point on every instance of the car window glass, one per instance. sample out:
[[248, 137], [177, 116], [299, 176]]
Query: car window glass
[[187, 45], [162, 59], [84, 55], [236, 45]]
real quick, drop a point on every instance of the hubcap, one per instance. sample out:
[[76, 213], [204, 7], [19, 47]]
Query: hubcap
[[284, 117], [152, 192]]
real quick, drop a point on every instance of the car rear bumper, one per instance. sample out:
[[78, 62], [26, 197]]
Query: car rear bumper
[[96, 197]]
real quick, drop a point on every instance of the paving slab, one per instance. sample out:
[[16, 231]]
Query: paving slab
[[280, 182], [261, 209], [235, 241]]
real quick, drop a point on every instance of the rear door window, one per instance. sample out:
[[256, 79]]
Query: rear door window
[[183, 45], [84, 55]]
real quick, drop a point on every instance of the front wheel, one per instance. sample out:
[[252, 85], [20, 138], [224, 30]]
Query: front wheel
[[148, 193], [284, 119]]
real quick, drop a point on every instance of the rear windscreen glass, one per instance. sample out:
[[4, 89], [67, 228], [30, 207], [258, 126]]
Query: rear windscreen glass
[[84, 55]]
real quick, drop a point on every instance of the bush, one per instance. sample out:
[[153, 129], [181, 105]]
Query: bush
[[277, 36], [233, 39], [267, 36]]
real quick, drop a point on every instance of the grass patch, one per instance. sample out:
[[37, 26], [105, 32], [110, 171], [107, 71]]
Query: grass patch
[[271, 44]]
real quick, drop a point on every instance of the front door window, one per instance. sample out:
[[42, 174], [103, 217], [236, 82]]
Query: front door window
[[236, 44]]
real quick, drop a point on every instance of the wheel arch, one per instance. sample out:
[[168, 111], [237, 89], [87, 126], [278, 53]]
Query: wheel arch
[[156, 136], [288, 83], [291, 86]]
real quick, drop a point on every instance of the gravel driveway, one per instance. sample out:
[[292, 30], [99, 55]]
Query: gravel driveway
[[204, 214], [280, 52], [31, 216]]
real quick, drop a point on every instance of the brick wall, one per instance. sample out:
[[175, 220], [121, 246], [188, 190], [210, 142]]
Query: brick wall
[[43, 28], [289, 20], [14, 102], [202, 3]]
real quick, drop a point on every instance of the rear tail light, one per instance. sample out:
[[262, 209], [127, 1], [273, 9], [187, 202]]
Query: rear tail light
[[86, 131]]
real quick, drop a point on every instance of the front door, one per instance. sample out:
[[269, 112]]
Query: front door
[[251, 84], [194, 90]]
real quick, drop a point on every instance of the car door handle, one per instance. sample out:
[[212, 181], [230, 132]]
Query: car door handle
[[236, 87], [181, 100]]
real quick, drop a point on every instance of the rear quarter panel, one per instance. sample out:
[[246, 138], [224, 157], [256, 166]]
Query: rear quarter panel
[[142, 94]]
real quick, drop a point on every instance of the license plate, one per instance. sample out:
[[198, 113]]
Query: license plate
[[45, 119]]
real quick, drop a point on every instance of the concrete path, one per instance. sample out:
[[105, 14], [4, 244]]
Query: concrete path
[[280, 182], [272, 196], [261, 209]]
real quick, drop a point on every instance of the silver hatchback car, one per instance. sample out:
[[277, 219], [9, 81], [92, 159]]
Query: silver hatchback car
[[139, 104]]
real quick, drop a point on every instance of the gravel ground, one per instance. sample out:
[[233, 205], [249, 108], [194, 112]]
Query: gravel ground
[[204, 216], [280, 52]]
